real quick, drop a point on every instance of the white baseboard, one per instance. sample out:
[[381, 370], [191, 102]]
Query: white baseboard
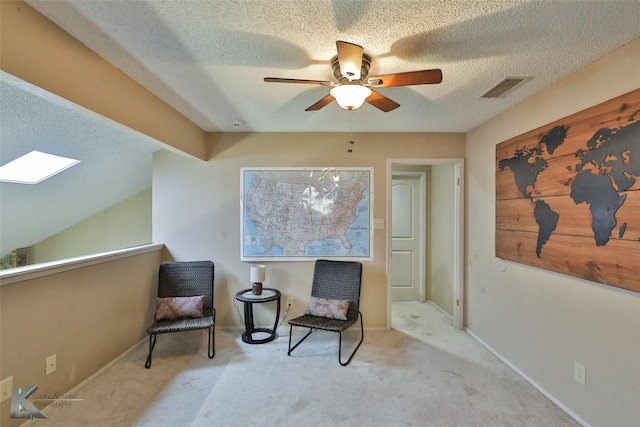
[[529, 380], [440, 309], [144, 341]]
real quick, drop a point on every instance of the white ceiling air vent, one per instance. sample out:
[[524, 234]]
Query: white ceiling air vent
[[503, 87]]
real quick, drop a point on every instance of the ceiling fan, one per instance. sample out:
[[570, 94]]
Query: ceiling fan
[[351, 68]]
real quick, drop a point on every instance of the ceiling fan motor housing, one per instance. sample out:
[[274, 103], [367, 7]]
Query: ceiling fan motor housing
[[364, 70]]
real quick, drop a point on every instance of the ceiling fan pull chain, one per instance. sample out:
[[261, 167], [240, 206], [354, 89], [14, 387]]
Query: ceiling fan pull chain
[[351, 141]]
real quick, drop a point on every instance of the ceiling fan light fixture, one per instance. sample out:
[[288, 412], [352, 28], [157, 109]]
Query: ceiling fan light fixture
[[350, 97], [351, 71]]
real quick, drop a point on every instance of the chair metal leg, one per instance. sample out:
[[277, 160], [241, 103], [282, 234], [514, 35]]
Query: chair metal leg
[[152, 343], [356, 349], [298, 343], [211, 350]]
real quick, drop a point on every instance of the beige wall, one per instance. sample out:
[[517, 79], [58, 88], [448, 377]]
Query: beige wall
[[196, 205], [442, 230], [125, 224], [87, 316], [541, 321]]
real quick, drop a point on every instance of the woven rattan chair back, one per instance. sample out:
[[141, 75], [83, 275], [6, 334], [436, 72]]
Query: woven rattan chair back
[[334, 280], [185, 279], [338, 280]]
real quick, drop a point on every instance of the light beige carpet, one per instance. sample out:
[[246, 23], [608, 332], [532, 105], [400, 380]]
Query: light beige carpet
[[427, 375]]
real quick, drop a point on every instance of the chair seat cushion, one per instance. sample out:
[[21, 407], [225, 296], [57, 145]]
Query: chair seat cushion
[[330, 308], [324, 323], [179, 307], [164, 326]]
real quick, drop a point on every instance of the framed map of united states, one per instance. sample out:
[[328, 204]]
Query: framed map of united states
[[568, 195], [300, 214]]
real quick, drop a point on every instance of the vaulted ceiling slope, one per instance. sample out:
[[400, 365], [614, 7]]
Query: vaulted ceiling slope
[[115, 163], [208, 58]]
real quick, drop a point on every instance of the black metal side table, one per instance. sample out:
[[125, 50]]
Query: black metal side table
[[248, 298]]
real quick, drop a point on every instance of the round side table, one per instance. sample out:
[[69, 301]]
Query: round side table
[[248, 298]]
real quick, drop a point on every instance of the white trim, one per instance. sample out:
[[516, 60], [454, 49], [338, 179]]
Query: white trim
[[458, 269], [28, 272], [437, 307], [529, 380]]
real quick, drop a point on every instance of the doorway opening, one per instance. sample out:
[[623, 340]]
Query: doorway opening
[[425, 235]]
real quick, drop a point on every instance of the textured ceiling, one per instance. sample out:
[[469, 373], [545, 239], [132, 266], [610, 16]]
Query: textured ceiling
[[115, 163], [208, 59]]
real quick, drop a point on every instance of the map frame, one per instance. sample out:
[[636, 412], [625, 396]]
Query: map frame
[[313, 171]]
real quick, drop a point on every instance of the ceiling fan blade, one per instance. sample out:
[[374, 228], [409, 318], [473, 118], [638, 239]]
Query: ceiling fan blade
[[318, 105], [423, 77], [350, 59], [308, 82], [381, 102]]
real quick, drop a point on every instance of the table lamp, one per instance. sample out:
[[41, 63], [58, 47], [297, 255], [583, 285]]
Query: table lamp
[[257, 276]]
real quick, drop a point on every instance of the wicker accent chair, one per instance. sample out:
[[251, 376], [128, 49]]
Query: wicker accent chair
[[185, 279], [333, 280]]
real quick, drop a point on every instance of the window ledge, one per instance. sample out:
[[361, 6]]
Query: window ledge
[[28, 272]]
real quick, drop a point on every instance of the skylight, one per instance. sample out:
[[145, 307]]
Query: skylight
[[34, 167]]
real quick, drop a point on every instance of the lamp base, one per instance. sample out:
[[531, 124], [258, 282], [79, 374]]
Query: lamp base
[[257, 288]]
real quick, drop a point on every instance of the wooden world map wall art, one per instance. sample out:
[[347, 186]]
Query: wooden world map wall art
[[568, 195]]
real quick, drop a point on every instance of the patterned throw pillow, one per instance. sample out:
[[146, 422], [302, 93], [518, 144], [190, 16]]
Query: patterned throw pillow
[[330, 308], [179, 308]]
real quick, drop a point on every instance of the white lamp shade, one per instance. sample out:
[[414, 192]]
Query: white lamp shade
[[350, 97], [258, 273]]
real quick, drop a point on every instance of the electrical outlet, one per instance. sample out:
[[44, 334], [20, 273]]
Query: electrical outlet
[[580, 373], [5, 388], [289, 301], [50, 365]]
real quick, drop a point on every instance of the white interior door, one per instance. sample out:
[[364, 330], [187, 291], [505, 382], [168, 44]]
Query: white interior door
[[408, 220]]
